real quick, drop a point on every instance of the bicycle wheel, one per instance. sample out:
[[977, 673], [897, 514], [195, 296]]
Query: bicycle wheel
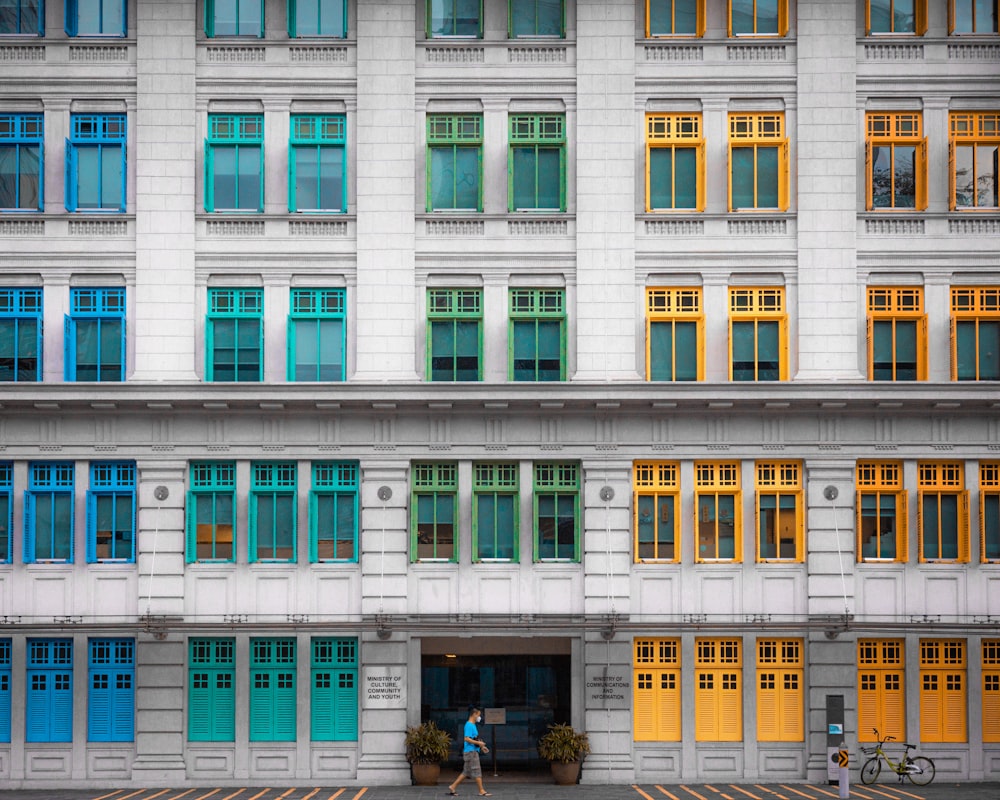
[[926, 770], [871, 769]]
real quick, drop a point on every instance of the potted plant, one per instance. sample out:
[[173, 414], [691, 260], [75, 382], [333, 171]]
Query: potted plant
[[426, 747], [564, 748]]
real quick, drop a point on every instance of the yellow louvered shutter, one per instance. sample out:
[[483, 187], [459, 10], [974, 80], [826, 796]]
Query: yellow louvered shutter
[[903, 535], [871, 346], [893, 706], [964, 555], [868, 704], [922, 349], [953, 705], [700, 18], [768, 706], [991, 705], [920, 12], [705, 716], [982, 524], [643, 707], [782, 17], [868, 206], [784, 180], [951, 17], [729, 177], [858, 544], [700, 190], [953, 343], [921, 176], [930, 708], [952, 187], [730, 708], [669, 707], [792, 708], [729, 22]]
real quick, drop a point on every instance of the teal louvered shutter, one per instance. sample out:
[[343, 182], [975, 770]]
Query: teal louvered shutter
[[290, 13], [69, 17], [29, 528], [346, 706], [223, 725], [261, 703], [322, 706], [91, 529], [191, 532], [284, 705], [69, 177], [69, 349], [200, 714], [209, 163], [5, 702], [313, 529], [209, 18]]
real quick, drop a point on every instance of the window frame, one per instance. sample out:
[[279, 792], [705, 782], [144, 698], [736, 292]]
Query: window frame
[[111, 708], [497, 480], [39, 6], [952, 17], [781, 706], [429, 19], [756, 306], [919, 20], [675, 306], [536, 132], [718, 689], [115, 480], [211, 709], [438, 481], [6, 677], [272, 692], [316, 306], [757, 130], [673, 132], [556, 480], [273, 481], [48, 708], [103, 132], [210, 22], [100, 306], [333, 708], [20, 308], [328, 132], [782, 21], [233, 131], [699, 30], [215, 479], [20, 131], [56, 481], [718, 479], [990, 671], [454, 132], [943, 479], [536, 306], [656, 689], [989, 513], [236, 304], [292, 13], [881, 682], [881, 479], [944, 682], [71, 19], [659, 480], [897, 304], [780, 480], [977, 307], [510, 21], [972, 129], [6, 513], [450, 308], [893, 129], [339, 480]]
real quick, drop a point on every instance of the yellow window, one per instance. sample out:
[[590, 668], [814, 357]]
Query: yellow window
[[991, 690], [989, 512], [718, 519], [942, 690], [718, 692], [779, 514], [656, 690], [881, 680], [757, 17], [675, 18], [972, 16], [675, 162], [880, 512], [906, 17], [973, 147], [897, 334], [675, 333], [656, 506], [895, 161], [758, 334], [758, 162], [975, 333], [942, 512], [780, 692]]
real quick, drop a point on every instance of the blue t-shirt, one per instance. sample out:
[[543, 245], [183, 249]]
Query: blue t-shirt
[[472, 732]]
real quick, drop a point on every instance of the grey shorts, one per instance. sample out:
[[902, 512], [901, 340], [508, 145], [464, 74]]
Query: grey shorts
[[470, 765]]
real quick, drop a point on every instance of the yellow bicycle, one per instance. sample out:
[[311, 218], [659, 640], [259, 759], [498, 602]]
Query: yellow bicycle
[[919, 770]]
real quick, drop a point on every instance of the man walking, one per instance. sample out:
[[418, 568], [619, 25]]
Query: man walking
[[471, 767]]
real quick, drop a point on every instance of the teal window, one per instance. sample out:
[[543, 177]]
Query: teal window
[[95, 162], [316, 335], [326, 18], [894, 349], [22, 143], [96, 17], [977, 345], [530, 18], [433, 522], [211, 512], [334, 701], [939, 512], [316, 163], [333, 511], [111, 690], [675, 323], [556, 506], [272, 690], [20, 334], [973, 16], [5, 690], [896, 16], [536, 167], [111, 512], [991, 526], [756, 352], [48, 708], [48, 513], [537, 335], [454, 162], [675, 18], [25, 17], [495, 511], [234, 18], [234, 162], [95, 335], [756, 17], [212, 690], [446, 18], [6, 512], [272, 511], [235, 337], [455, 334]]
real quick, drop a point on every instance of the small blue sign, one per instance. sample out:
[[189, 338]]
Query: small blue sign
[[835, 728]]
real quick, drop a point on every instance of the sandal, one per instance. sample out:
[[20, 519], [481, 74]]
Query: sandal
[[485, 794]]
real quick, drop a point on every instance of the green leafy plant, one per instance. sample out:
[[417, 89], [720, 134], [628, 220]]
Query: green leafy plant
[[563, 745], [426, 743]]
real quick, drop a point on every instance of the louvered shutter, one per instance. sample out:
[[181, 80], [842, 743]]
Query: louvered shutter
[[69, 17], [892, 705], [644, 707], [964, 530], [123, 707], [99, 707], [953, 346], [731, 710], [29, 528], [223, 723], [903, 523], [322, 706], [346, 706], [792, 719], [284, 705], [36, 709], [69, 177], [4, 706], [209, 161], [953, 705], [921, 176], [952, 177], [991, 706], [290, 18], [91, 530], [868, 181], [705, 702], [782, 17], [61, 707], [930, 709], [729, 22], [669, 707], [700, 190], [199, 707], [783, 177], [261, 706], [768, 707], [868, 705], [700, 20], [69, 348], [920, 14], [210, 18]]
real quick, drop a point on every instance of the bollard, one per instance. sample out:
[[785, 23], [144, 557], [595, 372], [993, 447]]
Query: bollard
[[844, 774]]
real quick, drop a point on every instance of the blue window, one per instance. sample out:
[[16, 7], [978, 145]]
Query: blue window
[[111, 695], [316, 165], [48, 513], [95, 162], [273, 505], [316, 336], [95, 17], [211, 512], [333, 511], [22, 139], [111, 512], [95, 335], [317, 18], [234, 18], [212, 690], [26, 17], [20, 335], [334, 704], [272, 690], [234, 346], [4, 690], [6, 511], [48, 712], [234, 162]]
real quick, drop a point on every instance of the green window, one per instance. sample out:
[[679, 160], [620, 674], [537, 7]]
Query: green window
[[433, 522], [454, 162], [234, 18], [454, 18], [234, 345], [111, 512], [334, 702], [557, 512], [48, 513], [455, 334], [95, 335], [675, 18], [20, 334], [536, 166], [537, 344], [495, 507], [234, 162], [316, 335], [317, 163], [212, 690], [530, 18], [317, 18], [272, 690], [211, 512], [272, 511], [333, 511]]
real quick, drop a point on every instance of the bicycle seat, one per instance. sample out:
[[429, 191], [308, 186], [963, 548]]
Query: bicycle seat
[[907, 746]]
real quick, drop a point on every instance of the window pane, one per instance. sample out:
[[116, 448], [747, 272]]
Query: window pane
[[111, 176], [249, 178], [62, 521], [8, 350], [306, 349], [306, 178], [963, 15], [284, 526], [767, 16], [665, 526], [646, 526], [566, 532], [506, 509], [8, 176], [965, 351], [660, 22], [661, 177], [486, 525], [989, 351], [726, 526], [686, 177], [767, 533], [744, 355], [768, 352], [903, 20], [767, 177], [111, 351], [466, 351], [88, 17], [965, 176], [443, 351], [986, 175], [225, 17], [331, 350], [29, 181], [442, 188], [345, 526], [307, 17], [882, 353], [248, 334], [882, 177], [224, 350], [986, 16], [524, 178], [467, 178], [331, 178], [548, 178], [549, 350], [546, 526], [991, 524], [686, 351], [742, 177], [949, 526], [906, 351], [661, 351], [880, 15], [905, 162], [4, 532], [249, 17], [929, 513], [88, 186], [742, 19], [265, 526], [87, 349], [524, 350], [224, 176]]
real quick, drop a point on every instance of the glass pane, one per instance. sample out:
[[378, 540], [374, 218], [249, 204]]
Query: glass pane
[[727, 526], [113, 16], [549, 351], [225, 17], [546, 526], [881, 177], [345, 526], [767, 533], [686, 351], [123, 526], [19, 16], [742, 177], [767, 177], [306, 178], [524, 350], [965, 176], [905, 172], [326, 526], [111, 351], [685, 177], [8, 176], [425, 526], [62, 523], [906, 351], [224, 176], [660, 22], [882, 353], [111, 176], [467, 178], [768, 352], [903, 20], [566, 533], [486, 525], [8, 350], [265, 526], [224, 350], [87, 349], [284, 527], [249, 17], [445, 527], [524, 178], [306, 349], [963, 15], [548, 178], [466, 351], [88, 17], [331, 178], [506, 510], [442, 188], [991, 525], [949, 526], [661, 177], [29, 180], [767, 16], [742, 19], [986, 175], [661, 351], [665, 526], [248, 333], [880, 15], [686, 17], [646, 526], [443, 351], [307, 18], [929, 509], [989, 351], [4, 530], [331, 350], [744, 355], [986, 16], [965, 347], [549, 17], [88, 185], [249, 178]]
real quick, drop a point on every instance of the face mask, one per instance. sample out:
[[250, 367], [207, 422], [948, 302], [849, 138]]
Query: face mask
[[479, 719]]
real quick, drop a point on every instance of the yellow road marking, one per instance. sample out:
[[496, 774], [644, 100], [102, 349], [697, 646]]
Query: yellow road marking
[[640, 791], [286, 793], [175, 797], [890, 792], [314, 791], [162, 791], [363, 790], [748, 794], [769, 790], [336, 794], [824, 791], [259, 794], [671, 796], [208, 795], [231, 796], [692, 791], [106, 796], [795, 791]]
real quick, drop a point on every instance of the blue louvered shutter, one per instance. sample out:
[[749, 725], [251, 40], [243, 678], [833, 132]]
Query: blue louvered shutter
[[36, 707], [69, 349], [346, 706], [70, 177], [69, 17], [61, 707], [91, 531], [123, 706], [29, 528], [99, 706], [5, 706]]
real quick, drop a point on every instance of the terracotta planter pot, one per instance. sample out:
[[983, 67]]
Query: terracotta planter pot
[[566, 774], [426, 774]]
